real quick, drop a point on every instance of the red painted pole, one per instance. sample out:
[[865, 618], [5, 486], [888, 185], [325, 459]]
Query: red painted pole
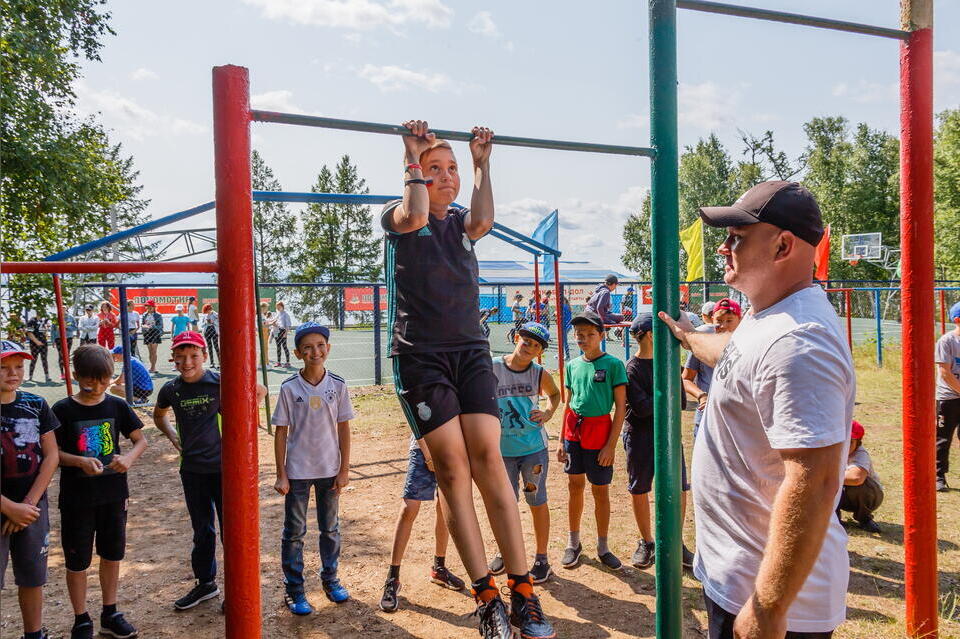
[[558, 316], [848, 311], [238, 389], [943, 312], [108, 267], [916, 238], [62, 328], [536, 287]]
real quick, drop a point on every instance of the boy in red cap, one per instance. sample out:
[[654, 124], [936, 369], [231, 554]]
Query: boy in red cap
[[696, 375], [862, 491], [28, 458]]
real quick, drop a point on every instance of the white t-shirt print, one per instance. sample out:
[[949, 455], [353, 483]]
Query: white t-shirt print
[[785, 380]]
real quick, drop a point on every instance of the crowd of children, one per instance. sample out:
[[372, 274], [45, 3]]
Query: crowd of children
[[606, 401]]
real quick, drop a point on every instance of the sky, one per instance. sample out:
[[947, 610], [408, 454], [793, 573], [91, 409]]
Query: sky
[[535, 69]]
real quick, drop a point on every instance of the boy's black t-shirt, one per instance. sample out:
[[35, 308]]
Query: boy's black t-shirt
[[639, 394], [22, 422], [196, 407], [93, 431], [433, 295]]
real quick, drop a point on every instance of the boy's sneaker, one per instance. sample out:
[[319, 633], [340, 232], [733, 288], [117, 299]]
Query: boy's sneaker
[[610, 560], [335, 591], [200, 592], [571, 556], [496, 565], [116, 626], [44, 634], [526, 613], [82, 630], [443, 577], [389, 602], [942, 485], [870, 525], [687, 558], [494, 621], [644, 555], [540, 571], [298, 604]]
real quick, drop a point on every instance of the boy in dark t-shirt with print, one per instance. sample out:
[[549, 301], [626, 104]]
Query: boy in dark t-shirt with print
[[597, 383], [28, 459], [93, 487]]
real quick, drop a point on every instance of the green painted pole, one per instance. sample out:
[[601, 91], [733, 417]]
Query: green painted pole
[[665, 226]]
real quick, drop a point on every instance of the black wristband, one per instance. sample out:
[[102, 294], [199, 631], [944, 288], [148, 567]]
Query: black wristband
[[416, 181]]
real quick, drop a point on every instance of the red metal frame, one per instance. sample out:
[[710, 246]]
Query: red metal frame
[[558, 319], [238, 389], [536, 287], [62, 329], [916, 237], [943, 312], [847, 310]]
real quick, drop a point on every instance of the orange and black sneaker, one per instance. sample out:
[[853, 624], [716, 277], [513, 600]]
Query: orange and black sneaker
[[525, 611], [494, 621]]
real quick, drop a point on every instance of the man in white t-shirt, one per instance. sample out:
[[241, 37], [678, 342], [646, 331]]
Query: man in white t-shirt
[[772, 449], [133, 327]]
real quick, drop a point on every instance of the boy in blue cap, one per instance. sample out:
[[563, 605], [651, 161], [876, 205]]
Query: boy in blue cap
[[142, 382], [312, 450], [948, 395], [523, 438]]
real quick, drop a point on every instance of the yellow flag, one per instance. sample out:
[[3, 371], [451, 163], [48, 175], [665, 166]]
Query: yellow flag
[[692, 240]]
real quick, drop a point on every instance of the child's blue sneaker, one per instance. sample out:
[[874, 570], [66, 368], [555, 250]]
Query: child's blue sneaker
[[335, 591], [298, 604]]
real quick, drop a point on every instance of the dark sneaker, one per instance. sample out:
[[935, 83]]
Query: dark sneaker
[[527, 615], [200, 592], [610, 560], [82, 630], [335, 591], [497, 566], [540, 571], [44, 634], [116, 626], [571, 556], [687, 559], [494, 622], [942, 485], [870, 526], [298, 604], [443, 577], [389, 602], [644, 555]]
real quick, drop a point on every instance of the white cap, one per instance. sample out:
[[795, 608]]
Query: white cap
[[707, 308], [179, 307]]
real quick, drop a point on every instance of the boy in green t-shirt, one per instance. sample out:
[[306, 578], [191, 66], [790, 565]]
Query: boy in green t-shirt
[[597, 382]]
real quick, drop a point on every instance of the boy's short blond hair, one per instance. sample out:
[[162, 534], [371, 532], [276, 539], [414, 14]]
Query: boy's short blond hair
[[436, 144]]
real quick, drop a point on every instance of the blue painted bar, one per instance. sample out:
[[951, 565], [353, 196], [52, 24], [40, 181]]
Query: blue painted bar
[[792, 18], [509, 240], [877, 312], [460, 136], [529, 240]]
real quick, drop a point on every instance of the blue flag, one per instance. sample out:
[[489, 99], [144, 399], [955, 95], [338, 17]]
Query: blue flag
[[547, 233]]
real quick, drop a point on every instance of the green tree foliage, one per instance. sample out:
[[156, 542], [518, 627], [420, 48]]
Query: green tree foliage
[[274, 226], [946, 171], [338, 243], [61, 174], [636, 242]]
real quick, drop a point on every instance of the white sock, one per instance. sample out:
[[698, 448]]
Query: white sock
[[573, 539], [602, 547]]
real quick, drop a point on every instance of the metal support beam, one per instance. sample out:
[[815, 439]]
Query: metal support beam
[[108, 267]]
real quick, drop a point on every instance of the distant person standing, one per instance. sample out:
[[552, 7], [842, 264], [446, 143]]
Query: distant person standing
[[36, 330], [179, 322], [948, 395], [71, 330], [133, 327], [629, 301], [152, 323], [600, 302], [89, 326], [211, 332], [192, 314], [281, 325], [108, 324], [706, 314], [516, 308]]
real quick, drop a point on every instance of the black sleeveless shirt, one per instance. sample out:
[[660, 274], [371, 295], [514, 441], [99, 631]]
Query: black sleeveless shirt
[[433, 294]]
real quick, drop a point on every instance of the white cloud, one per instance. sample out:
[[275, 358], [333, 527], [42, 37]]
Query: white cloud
[[946, 67], [280, 100], [361, 15], [130, 118], [483, 24], [635, 121], [143, 74], [707, 106], [393, 78], [864, 92]]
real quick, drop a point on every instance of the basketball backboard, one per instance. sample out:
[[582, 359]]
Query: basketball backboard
[[863, 246]]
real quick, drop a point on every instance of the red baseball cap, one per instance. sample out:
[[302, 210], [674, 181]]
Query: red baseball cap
[[727, 304], [856, 430], [189, 338], [12, 348], [150, 303]]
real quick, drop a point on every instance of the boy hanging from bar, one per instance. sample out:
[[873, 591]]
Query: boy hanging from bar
[[442, 367]]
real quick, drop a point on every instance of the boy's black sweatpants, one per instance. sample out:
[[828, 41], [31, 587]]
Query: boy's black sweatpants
[[204, 496]]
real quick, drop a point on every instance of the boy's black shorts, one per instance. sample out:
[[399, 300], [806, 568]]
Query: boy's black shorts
[[584, 461], [639, 447], [436, 387], [107, 523]]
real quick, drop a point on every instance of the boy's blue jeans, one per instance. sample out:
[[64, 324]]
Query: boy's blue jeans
[[295, 527]]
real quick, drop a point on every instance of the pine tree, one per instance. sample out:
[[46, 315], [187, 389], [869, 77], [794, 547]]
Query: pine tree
[[274, 226]]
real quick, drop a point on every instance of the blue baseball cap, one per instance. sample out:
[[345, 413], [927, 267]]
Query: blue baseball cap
[[310, 327], [117, 350], [955, 311], [642, 324], [536, 331]]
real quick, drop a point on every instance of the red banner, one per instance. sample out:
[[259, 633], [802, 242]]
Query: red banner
[[646, 293], [165, 298], [361, 298]]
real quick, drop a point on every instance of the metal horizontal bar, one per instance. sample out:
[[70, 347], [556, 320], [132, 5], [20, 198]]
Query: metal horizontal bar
[[122, 235], [322, 198], [108, 267], [523, 238], [509, 240], [460, 136], [791, 18]]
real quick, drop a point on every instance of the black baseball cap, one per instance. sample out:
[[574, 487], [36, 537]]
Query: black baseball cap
[[587, 317], [642, 324], [786, 205]]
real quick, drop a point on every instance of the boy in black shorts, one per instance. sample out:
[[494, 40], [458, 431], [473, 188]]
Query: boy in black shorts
[[93, 487], [28, 459], [638, 442], [442, 367]]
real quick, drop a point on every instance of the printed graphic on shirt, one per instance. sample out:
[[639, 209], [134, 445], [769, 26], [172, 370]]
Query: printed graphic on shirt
[[731, 355], [23, 441]]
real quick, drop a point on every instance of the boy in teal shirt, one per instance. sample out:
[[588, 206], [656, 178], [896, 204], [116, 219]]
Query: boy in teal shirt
[[523, 438], [597, 382]]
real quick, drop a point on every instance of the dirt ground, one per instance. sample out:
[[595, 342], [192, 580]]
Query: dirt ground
[[588, 602]]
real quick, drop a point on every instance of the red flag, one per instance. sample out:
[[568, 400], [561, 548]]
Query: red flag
[[821, 259]]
